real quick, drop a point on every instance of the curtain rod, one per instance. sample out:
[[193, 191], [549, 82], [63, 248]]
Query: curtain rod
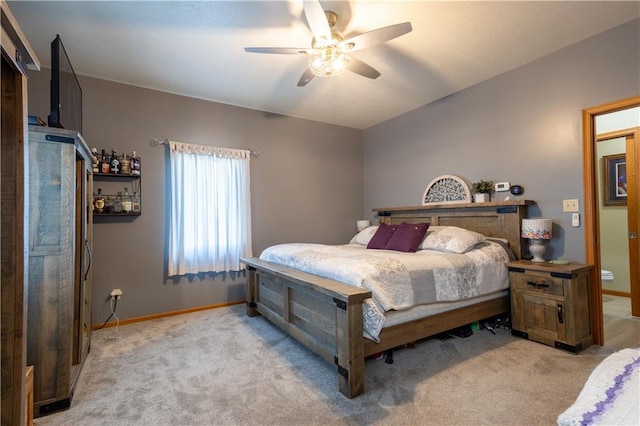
[[156, 142]]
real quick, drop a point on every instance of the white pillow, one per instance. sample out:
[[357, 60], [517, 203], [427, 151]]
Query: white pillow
[[451, 239], [363, 237]]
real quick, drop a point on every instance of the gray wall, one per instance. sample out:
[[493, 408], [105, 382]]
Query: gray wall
[[524, 127], [306, 185]]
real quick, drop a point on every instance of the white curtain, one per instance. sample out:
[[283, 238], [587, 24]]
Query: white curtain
[[210, 211]]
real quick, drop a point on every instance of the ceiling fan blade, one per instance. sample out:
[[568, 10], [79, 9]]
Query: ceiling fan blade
[[277, 50], [359, 67], [317, 19], [306, 77], [373, 37]]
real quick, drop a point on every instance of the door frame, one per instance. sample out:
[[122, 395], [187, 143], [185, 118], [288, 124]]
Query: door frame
[[591, 216]]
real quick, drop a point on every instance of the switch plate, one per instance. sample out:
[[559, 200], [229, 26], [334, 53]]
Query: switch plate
[[572, 205]]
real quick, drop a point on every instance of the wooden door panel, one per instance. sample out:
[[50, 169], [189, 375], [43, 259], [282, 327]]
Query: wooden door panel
[[541, 318]]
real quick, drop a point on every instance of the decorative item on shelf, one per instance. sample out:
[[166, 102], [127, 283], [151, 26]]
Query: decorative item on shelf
[[134, 164], [94, 159], [117, 203], [127, 204], [108, 204], [135, 200], [114, 162], [446, 189], [536, 230], [104, 163], [482, 190], [361, 225], [125, 165], [99, 202]]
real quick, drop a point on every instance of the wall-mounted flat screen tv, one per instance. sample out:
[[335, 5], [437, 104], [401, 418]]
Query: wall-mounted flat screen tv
[[66, 94]]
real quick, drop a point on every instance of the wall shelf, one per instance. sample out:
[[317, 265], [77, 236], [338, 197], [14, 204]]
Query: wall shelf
[[108, 176], [111, 184]]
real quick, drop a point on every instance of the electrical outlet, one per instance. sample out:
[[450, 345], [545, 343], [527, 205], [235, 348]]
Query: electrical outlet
[[570, 205], [117, 293]]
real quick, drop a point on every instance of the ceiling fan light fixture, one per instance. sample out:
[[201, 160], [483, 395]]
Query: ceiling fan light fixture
[[328, 53], [328, 61]]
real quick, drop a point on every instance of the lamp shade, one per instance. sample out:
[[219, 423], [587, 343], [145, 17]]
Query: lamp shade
[[536, 229], [362, 224]]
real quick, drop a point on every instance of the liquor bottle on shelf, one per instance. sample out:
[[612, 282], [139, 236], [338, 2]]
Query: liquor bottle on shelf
[[132, 162], [114, 163], [126, 201], [99, 202], [104, 164], [125, 165], [135, 206], [94, 157], [135, 164], [117, 203], [108, 204]]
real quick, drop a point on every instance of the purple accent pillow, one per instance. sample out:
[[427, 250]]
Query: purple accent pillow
[[382, 236], [408, 237]]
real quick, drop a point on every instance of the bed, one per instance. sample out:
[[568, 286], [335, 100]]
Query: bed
[[327, 315]]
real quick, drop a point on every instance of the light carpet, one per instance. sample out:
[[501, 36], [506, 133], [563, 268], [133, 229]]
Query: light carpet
[[220, 367]]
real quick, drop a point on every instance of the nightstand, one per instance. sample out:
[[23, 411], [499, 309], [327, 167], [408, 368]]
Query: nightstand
[[550, 303]]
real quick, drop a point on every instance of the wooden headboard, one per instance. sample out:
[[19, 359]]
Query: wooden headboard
[[500, 219]]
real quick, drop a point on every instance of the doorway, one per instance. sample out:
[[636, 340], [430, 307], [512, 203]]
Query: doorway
[[615, 246], [591, 219]]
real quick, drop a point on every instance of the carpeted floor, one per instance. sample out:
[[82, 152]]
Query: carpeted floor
[[220, 367]]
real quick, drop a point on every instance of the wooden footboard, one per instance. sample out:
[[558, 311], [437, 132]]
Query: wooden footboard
[[326, 316], [322, 314]]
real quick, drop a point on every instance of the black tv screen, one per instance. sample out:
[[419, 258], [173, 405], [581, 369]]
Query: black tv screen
[[66, 94]]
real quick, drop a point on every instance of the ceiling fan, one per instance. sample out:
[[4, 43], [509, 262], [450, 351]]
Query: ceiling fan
[[328, 54]]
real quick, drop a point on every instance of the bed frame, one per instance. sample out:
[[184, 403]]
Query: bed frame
[[326, 315]]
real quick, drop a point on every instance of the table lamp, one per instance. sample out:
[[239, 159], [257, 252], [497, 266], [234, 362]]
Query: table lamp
[[536, 230]]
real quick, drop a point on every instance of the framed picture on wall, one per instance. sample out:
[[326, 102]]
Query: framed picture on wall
[[615, 180]]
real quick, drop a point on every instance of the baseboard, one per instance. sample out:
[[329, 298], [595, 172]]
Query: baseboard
[[166, 314], [616, 293]]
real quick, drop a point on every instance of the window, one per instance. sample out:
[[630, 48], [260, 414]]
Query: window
[[210, 209]]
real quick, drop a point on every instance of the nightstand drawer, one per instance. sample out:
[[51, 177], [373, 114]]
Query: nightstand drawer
[[538, 283]]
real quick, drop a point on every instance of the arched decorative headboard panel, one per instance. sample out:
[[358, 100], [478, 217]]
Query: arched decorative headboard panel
[[446, 189], [500, 219]]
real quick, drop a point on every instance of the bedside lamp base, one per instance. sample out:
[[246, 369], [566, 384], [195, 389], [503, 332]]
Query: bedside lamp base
[[537, 249]]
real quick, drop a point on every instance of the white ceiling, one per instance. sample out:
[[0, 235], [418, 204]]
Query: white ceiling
[[195, 48]]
